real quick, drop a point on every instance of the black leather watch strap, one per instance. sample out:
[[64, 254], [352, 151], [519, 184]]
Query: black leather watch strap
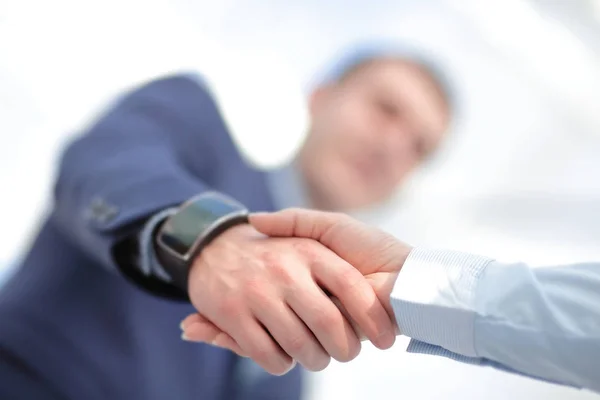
[[178, 271], [196, 223]]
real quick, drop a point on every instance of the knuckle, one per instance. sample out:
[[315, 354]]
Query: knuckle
[[230, 307], [278, 269], [302, 246], [296, 344], [256, 292], [270, 258], [348, 279], [325, 320], [306, 248], [293, 212], [285, 277]]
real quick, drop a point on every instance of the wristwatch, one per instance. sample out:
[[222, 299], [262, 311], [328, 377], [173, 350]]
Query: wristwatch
[[194, 225]]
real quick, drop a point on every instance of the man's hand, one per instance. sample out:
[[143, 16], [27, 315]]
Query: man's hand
[[374, 253], [266, 295]]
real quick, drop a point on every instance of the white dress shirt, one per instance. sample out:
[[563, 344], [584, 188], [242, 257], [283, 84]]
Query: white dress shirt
[[539, 322]]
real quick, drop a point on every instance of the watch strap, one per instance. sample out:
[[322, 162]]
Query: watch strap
[[183, 235], [179, 271]]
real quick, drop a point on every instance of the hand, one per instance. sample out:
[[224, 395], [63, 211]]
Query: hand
[[376, 254], [265, 294]]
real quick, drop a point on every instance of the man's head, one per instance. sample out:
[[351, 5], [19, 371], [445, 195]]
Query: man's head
[[372, 122]]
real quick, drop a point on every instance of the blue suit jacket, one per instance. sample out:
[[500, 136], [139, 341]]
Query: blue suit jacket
[[75, 324]]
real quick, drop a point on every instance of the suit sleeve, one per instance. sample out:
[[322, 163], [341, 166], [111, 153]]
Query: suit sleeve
[[144, 155], [20, 381]]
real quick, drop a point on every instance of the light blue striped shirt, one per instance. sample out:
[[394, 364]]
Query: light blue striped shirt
[[539, 322]]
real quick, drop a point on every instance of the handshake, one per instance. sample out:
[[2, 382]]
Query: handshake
[[295, 285]]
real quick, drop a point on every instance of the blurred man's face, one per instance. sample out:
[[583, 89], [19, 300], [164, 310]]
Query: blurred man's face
[[369, 130]]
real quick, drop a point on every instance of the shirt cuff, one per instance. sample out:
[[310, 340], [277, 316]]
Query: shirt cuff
[[418, 347], [433, 298], [149, 263]]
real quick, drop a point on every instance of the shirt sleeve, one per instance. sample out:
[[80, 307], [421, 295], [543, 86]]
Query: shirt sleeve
[[149, 263], [539, 322]]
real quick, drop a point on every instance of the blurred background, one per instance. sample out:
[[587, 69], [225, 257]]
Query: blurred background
[[518, 180]]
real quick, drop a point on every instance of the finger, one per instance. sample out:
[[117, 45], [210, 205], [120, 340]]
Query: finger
[[292, 335], [199, 329], [241, 324], [191, 319], [359, 333], [296, 222], [208, 333], [368, 249], [325, 321], [358, 298], [258, 345]]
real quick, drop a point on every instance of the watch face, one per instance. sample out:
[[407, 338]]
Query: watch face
[[183, 230]]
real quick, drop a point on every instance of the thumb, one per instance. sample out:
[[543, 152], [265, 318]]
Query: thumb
[[368, 249], [296, 222]]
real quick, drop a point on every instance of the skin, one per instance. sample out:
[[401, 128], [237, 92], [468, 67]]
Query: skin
[[374, 253], [369, 131], [248, 283], [265, 289]]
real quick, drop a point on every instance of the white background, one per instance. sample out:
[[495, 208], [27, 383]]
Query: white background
[[519, 179]]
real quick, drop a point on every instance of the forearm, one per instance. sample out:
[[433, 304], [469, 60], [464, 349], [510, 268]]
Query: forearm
[[20, 381], [541, 322], [132, 163]]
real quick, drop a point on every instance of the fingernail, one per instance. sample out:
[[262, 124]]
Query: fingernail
[[386, 340], [291, 367], [181, 325], [214, 343], [184, 337]]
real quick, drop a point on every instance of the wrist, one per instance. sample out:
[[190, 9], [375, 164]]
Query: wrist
[[192, 227], [433, 298], [383, 282]]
